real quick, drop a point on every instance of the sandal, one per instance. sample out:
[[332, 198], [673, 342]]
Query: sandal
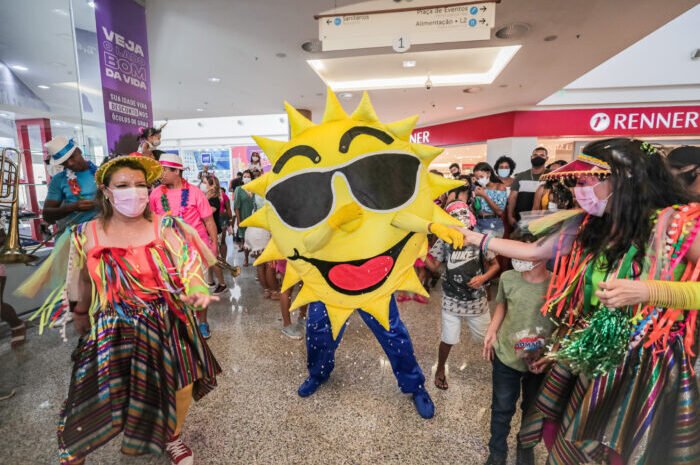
[[274, 295], [441, 382], [403, 298], [266, 293], [19, 335]]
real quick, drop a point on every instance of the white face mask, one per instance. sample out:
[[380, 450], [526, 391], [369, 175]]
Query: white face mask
[[131, 201], [522, 265], [483, 182], [504, 172], [246, 180], [552, 206], [154, 144]]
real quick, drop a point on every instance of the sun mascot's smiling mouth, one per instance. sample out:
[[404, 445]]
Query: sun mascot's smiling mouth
[[357, 276]]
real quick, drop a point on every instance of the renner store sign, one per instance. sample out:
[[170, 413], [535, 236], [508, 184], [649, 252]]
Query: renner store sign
[[596, 122]]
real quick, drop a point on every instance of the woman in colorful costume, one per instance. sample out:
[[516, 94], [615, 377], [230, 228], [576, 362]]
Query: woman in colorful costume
[[141, 358], [622, 388]]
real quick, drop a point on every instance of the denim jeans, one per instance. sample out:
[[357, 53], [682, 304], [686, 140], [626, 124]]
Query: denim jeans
[[493, 225], [396, 342], [507, 385]]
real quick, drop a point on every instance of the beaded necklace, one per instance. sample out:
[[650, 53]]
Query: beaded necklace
[[184, 198], [73, 179]]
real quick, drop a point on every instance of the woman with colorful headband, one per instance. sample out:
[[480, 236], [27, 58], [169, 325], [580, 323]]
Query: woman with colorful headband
[[141, 359], [622, 388]]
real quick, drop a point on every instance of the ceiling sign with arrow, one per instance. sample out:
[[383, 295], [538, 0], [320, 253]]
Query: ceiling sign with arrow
[[458, 22]]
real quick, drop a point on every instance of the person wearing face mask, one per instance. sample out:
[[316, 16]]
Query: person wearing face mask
[[176, 197], [505, 167], [149, 140], [455, 171], [490, 201], [612, 358], [522, 191], [141, 359], [243, 207], [515, 340], [685, 164], [255, 166]]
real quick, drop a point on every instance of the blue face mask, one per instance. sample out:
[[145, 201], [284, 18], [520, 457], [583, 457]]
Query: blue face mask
[[504, 172]]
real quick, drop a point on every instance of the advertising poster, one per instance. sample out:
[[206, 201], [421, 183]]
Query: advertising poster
[[124, 70]]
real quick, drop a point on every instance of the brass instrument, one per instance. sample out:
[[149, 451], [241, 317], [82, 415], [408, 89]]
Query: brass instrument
[[234, 270], [12, 251]]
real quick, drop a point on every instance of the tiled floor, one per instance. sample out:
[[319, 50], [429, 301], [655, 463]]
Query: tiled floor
[[255, 415]]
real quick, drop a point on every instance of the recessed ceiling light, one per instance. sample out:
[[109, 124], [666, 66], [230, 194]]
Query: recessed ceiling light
[[550, 38], [472, 90], [214, 79], [312, 46], [4, 115], [76, 127], [91, 4], [43, 86], [281, 55], [409, 63], [200, 109], [346, 95], [58, 123], [513, 31], [460, 107], [60, 12], [19, 68]]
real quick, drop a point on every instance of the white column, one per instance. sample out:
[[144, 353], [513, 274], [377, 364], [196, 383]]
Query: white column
[[517, 148]]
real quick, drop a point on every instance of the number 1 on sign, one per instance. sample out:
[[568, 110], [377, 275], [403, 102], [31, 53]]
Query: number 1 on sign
[[402, 44]]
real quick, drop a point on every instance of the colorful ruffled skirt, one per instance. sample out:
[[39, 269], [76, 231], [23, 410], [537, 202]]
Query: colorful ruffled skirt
[[646, 411], [124, 379]]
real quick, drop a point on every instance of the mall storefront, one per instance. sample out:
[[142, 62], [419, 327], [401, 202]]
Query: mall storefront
[[562, 132]]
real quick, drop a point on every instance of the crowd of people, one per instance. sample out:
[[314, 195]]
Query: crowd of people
[[579, 280]]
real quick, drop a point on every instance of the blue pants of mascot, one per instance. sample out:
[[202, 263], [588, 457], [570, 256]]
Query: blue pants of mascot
[[396, 342]]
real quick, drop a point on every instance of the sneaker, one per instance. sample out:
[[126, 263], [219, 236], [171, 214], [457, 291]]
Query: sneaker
[[424, 404], [204, 329], [220, 289], [292, 332], [308, 387], [178, 452], [496, 460], [525, 456]]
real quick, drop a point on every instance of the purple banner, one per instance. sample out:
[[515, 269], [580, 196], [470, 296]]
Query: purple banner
[[126, 78]]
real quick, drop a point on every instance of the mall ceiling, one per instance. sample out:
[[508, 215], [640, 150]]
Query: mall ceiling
[[240, 41], [254, 47]]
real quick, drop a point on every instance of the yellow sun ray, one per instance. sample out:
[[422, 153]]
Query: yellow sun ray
[[338, 316], [379, 309], [412, 284], [402, 129], [270, 253], [334, 110], [291, 277], [305, 296], [442, 217], [427, 153], [298, 123], [365, 110], [257, 219], [259, 185], [271, 147], [440, 185]]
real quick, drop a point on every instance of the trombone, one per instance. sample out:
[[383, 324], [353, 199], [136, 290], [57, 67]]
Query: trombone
[[12, 251]]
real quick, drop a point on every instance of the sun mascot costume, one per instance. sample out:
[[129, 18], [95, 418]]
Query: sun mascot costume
[[349, 204]]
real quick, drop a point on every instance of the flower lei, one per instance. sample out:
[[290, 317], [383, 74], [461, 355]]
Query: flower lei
[[73, 179], [184, 198]]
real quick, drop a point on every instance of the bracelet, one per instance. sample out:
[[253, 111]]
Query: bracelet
[[483, 239], [485, 249], [673, 294]]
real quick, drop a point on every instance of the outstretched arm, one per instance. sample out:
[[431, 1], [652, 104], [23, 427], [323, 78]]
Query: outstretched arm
[[414, 223]]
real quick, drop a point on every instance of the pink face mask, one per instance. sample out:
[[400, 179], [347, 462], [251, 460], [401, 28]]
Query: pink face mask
[[589, 201], [131, 201]]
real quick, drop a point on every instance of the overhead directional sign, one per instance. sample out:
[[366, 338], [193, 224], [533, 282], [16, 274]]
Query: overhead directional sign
[[421, 26]]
